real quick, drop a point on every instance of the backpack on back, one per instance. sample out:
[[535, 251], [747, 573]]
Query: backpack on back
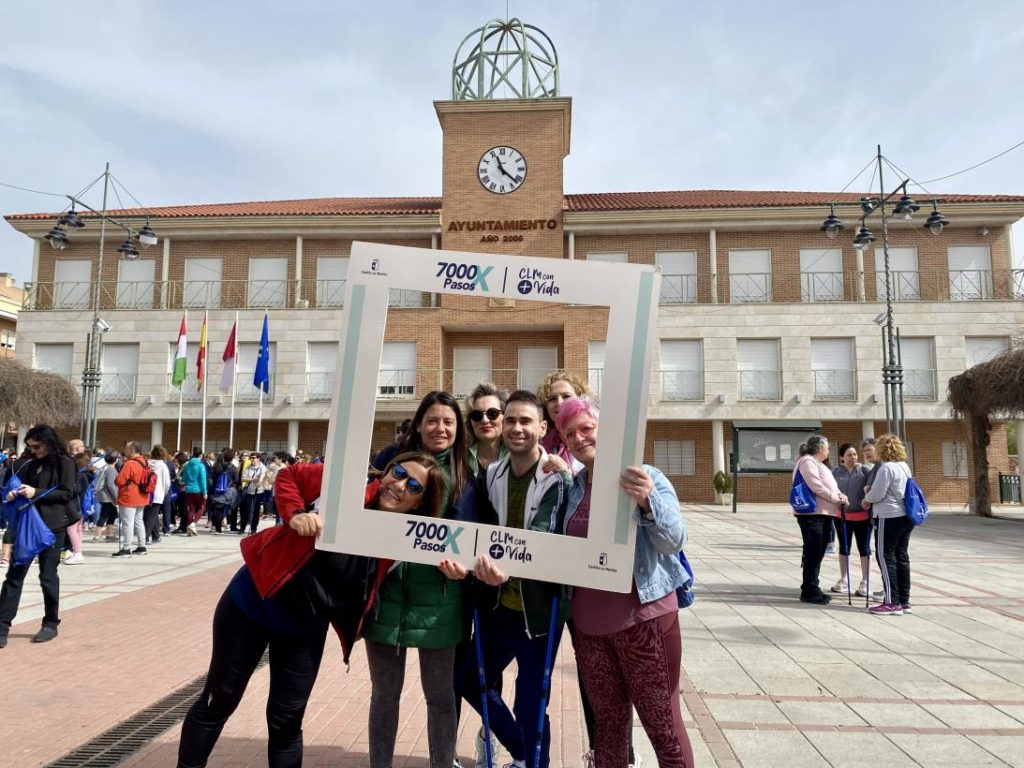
[[148, 482], [222, 483], [914, 503], [88, 500]]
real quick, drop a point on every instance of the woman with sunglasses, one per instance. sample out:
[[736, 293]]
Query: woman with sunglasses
[[48, 481], [285, 597], [486, 409], [418, 606]]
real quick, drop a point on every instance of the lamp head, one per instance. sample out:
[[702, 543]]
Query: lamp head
[[57, 237], [128, 250], [867, 205], [832, 225], [863, 239], [71, 219], [147, 237], [905, 208], [936, 222]]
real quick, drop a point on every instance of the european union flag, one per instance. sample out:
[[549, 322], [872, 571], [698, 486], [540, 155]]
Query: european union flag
[[261, 376]]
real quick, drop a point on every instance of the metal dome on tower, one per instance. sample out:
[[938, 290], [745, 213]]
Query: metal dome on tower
[[508, 59]]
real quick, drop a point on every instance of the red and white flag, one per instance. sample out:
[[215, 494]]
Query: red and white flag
[[230, 358]]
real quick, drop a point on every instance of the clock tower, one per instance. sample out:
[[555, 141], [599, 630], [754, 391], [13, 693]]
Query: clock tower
[[506, 134]]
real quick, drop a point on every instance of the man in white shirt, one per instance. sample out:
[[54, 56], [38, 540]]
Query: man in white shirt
[[252, 494]]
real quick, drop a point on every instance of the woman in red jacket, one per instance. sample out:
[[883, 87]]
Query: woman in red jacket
[[285, 597]]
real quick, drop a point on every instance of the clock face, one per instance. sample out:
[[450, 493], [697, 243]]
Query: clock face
[[502, 170]]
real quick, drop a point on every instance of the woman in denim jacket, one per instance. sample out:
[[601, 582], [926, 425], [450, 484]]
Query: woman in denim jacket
[[628, 645]]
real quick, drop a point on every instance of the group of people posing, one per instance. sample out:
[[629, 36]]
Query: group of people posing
[[851, 500], [524, 460]]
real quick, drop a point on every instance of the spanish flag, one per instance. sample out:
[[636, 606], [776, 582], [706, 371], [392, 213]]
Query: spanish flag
[[201, 360]]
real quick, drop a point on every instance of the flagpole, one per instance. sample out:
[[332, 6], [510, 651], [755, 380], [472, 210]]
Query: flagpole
[[234, 376], [206, 372], [181, 396], [259, 422]]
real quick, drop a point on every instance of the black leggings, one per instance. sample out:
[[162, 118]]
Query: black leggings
[[856, 530], [238, 646]]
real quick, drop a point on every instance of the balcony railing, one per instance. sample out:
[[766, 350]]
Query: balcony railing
[[330, 293], [1017, 283], [821, 286], [189, 391], [678, 289], [760, 385], [118, 387], [396, 384], [270, 294], [835, 385], [750, 288], [906, 285], [319, 385], [970, 285], [919, 384], [679, 385]]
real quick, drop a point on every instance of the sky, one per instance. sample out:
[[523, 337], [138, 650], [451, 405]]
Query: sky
[[206, 102]]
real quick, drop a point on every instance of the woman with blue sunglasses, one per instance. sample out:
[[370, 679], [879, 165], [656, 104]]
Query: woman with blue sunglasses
[[286, 596]]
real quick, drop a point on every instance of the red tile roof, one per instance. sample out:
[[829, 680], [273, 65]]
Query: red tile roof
[[602, 201]]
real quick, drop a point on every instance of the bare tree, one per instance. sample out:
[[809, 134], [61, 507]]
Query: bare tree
[[30, 397]]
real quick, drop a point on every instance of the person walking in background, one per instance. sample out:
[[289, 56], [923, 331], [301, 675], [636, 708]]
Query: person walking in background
[[48, 481], [851, 478], [83, 479], [252, 494], [892, 526], [815, 526], [193, 478], [106, 497], [269, 478], [132, 500], [173, 490], [225, 489], [154, 510]]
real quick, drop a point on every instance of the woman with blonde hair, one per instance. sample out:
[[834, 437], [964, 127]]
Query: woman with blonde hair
[[555, 389], [892, 526]]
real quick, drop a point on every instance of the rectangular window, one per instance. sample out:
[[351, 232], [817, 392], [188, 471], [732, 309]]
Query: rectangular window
[[321, 362], [675, 457], [595, 355], [758, 364], [55, 358], [981, 349], [682, 370], [918, 357], [396, 377], [120, 373], [834, 368], [534, 364], [268, 283], [202, 283], [678, 276], [331, 273], [72, 279], [903, 274], [750, 276], [610, 257], [245, 390], [7, 338], [135, 283], [821, 274], [954, 459], [970, 272], [472, 365]]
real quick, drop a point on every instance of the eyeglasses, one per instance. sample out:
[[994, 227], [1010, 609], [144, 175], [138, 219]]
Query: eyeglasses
[[412, 485], [492, 414]]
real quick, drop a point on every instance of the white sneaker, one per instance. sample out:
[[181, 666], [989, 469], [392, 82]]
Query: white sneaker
[[74, 558], [839, 587], [862, 590], [588, 759], [480, 760]]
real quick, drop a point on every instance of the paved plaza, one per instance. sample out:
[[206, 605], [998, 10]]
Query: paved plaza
[[767, 680]]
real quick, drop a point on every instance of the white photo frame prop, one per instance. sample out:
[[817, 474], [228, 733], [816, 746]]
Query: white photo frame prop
[[603, 560]]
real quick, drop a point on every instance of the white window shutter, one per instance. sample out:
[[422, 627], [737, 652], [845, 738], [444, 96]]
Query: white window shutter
[[135, 283], [981, 349], [268, 282], [472, 365]]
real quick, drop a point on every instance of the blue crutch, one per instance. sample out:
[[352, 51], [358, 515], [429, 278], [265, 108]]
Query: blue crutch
[[483, 687], [846, 546], [545, 689]]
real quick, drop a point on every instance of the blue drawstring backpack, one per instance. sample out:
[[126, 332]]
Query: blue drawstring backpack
[[88, 501], [31, 536], [801, 497], [684, 594], [222, 483], [914, 503]]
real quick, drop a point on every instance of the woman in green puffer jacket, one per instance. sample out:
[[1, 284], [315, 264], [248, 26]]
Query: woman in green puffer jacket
[[419, 606]]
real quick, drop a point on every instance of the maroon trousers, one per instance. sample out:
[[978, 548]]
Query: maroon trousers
[[196, 505], [637, 667]]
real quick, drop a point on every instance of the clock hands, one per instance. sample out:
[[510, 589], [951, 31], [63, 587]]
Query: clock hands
[[501, 167]]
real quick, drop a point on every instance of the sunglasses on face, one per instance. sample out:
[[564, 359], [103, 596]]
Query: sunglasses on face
[[412, 485], [492, 414]]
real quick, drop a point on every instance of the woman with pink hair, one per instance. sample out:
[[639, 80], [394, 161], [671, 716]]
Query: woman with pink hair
[[628, 646]]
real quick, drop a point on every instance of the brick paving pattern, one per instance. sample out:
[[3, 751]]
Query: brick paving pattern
[[767, 681]]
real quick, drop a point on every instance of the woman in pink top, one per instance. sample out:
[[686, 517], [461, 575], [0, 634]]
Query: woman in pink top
[[815, 526]]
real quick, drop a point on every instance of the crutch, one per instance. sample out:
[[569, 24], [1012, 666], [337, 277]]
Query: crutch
[[545, 689], [483, 687], [846, 546]]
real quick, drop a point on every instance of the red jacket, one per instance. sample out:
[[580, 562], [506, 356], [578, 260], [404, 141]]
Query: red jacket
[[275, 555], [133, 474]]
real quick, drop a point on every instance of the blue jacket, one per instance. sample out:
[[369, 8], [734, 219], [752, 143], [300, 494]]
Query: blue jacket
[[656, 568], [193, 476]]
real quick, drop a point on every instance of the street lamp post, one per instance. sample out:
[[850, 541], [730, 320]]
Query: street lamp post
[[92, 374], [905, 208]]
